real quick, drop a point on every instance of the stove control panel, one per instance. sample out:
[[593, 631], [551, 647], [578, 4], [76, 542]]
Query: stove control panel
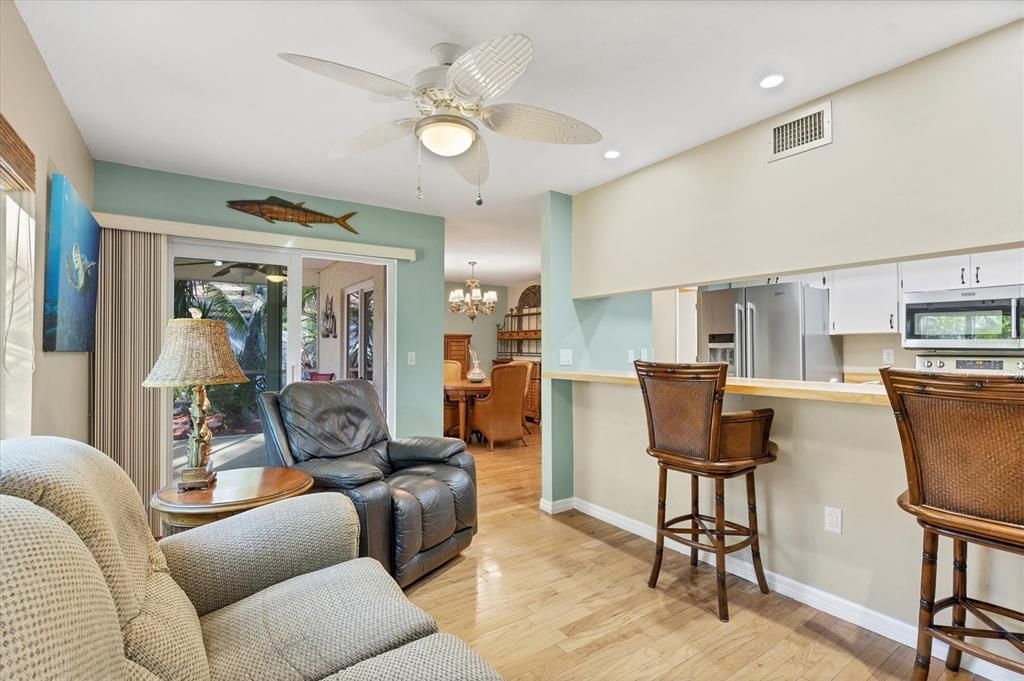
[[1006, 365]]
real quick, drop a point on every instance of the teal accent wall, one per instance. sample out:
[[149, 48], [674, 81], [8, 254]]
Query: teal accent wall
[[559, 330], [612, 326], [128, 190], [599, 332], [484, 328]]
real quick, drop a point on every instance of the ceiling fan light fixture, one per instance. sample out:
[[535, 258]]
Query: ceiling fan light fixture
[[446, 135]]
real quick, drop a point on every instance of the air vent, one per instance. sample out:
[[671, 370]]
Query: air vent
[[808, 130]]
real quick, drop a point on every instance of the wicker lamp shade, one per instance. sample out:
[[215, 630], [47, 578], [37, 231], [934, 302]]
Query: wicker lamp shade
[[195, 352]]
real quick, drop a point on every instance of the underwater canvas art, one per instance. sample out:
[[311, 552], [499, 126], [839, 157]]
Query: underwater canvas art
[[72, 254]]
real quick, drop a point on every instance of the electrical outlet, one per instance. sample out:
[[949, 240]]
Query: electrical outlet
[[410, 359], [565, 357], [630, 355], [643, 354], [833, 520], [888, 356]]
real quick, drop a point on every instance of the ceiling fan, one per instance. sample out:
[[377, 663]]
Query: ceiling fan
[[273, 273], [452, 102]]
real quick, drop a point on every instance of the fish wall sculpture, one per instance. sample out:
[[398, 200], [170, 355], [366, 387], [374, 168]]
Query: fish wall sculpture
[[274, 209]]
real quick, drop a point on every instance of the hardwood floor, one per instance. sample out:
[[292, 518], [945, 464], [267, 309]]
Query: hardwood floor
[[547, 598]]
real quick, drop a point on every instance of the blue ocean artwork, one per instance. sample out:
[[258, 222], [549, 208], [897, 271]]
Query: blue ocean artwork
[[72, 255]]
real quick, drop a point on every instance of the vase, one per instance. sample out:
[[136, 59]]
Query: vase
[[476, 374]]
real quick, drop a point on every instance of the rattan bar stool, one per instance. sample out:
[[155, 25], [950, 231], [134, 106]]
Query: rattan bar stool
[[963, 446], [690, 434]]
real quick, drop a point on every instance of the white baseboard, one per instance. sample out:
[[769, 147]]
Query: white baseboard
[[872, 620], [557, 506]]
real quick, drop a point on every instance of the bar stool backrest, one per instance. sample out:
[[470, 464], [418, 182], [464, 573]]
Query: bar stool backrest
[[963, 441], [684, 407]]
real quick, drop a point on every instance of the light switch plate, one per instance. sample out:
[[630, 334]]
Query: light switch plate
[[410, 359], [643, 354], [888, 356], [630, 355], [565, 357]]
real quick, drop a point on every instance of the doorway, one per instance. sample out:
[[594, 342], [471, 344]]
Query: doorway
[[284, 312], [354, 315]]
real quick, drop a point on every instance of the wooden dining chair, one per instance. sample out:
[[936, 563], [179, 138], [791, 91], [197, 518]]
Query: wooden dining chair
[[452, 371], [526, 390], [963, 447], [452, 374], [499, 416], [688, 433]]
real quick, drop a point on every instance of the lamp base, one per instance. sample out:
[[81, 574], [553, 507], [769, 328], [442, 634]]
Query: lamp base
[[200, 477]]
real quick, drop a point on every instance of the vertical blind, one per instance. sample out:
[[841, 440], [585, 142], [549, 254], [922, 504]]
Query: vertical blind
[[129, 326]]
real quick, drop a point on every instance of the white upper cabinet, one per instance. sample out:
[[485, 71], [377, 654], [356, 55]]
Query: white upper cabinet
[[865, 300], [815, 279], [993, 268], [997, 268], [937, 274]]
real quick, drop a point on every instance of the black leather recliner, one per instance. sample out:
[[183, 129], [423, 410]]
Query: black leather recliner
[[416, 497]]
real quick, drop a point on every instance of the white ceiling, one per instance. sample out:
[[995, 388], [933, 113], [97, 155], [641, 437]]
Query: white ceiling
[[197, 88]]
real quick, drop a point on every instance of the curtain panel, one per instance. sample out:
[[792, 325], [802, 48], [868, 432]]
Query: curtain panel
[[127, 418]]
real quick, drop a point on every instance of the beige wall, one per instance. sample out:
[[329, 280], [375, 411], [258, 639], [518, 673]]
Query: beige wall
[[334, 279], [925, 159], [516, 290], [841, 455], [32, 104], [862, 353], [664, 318]]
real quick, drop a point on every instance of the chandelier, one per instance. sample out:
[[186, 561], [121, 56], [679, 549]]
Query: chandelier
[[474, 301]]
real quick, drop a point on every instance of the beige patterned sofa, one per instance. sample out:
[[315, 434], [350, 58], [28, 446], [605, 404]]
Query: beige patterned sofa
[[86, 593]]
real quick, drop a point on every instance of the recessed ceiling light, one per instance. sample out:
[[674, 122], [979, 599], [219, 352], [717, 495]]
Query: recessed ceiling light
[[771, 81], [218, 263], [612, 153]]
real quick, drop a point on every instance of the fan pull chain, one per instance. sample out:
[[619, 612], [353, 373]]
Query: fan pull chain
[[419, 170], [479, 196]]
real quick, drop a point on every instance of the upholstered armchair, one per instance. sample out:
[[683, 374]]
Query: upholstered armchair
[[276, 593], [416, 497]]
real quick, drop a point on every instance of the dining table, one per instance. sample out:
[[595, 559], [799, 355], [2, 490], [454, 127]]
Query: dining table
[[463, 391]]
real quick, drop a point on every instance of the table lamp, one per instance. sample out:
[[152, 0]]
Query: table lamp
[[196, 353]]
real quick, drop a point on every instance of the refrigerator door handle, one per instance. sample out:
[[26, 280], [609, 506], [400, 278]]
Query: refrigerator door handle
[[739, 342], [749, 349]]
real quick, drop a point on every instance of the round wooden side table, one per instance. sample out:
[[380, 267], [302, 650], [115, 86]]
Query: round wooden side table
[[234, 491]]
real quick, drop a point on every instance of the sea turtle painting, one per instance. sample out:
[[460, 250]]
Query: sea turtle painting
[[72, 271], [78, 269]]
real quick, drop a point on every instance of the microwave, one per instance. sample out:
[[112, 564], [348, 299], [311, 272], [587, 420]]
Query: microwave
[[971, 318]]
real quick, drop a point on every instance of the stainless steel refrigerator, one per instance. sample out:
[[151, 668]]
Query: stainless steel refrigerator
[[773, 331]]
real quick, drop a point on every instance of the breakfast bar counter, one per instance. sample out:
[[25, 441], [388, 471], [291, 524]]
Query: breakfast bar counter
[[851, 393], [837, 449]]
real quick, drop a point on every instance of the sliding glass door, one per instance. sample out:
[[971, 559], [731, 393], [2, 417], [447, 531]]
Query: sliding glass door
[[291, 316], [249, 291], [359, 309]]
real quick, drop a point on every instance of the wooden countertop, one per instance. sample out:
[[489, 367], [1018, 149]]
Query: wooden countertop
[[850, 393]]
